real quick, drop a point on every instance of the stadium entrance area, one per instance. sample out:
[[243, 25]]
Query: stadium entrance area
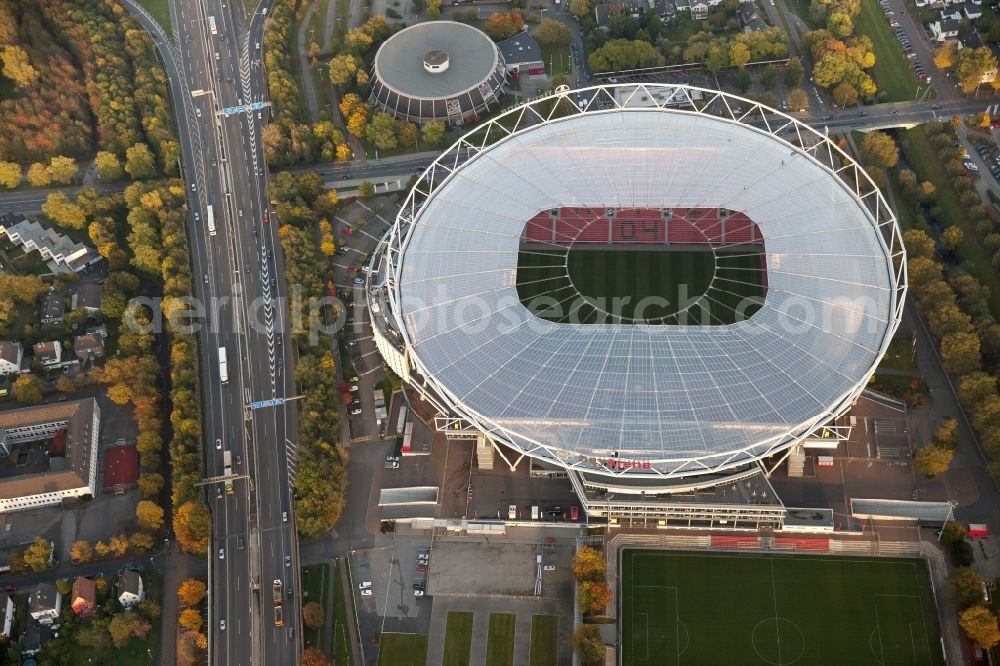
[[702, 608], [702, 267]]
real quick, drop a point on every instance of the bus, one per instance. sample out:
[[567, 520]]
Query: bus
[[211, 25], [223, 366], [210, 216], [227, 461]]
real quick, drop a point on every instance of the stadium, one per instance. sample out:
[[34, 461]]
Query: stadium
[[438, 71], [528, 287]]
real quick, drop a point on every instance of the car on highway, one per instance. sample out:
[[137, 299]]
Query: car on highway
[[222, 625], [364, 585], [549, 567], [239, 459], [218, 444], [366, 593], [284, 516], [391, 464], [222, 553], [356, 411], [194, 187], [267, 217], [218, 492], [511, 512], [288, 560]]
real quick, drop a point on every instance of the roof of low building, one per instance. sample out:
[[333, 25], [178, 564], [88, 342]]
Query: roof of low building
[[10, 351], [88, 295], [520, 49], [43, 598], [129, 581]]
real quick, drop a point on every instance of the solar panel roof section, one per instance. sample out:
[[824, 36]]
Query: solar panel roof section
[[667, 393]]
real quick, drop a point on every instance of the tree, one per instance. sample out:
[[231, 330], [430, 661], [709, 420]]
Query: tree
[[313, 657], [553, 33], [433, 133], [126, 626], [407, 134], [952, 237], [64, 212], [381, 131], [191, 592], [17, 66], [193, 526], [366, 190], [593, 596], [845, 95], [580, 8], [932, 460], [798, 99], [64, 586], [965, 587], [501, 26], [793, 72], [952, 533], [191, 619], [344, 68], [589, 564], [10, 174], [944, 434], [980, 625], [618, 54], [38, 555], [139, 161], [28, 389], [739, 54], [974, 67], [589, 645], [878, 149], [81, 552], [150, 484], [140, 541], [94, 635], [944, 57], [960, 352], [149, 515], [62, 169], [38, 175], [313, 615], [109, 167]]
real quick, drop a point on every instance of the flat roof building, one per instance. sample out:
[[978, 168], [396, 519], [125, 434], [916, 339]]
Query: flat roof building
[[522, 55], [61, 253], [68, 469]]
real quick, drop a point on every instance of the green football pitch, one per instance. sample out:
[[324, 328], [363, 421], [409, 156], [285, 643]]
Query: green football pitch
[[716, 609], [596, 285]]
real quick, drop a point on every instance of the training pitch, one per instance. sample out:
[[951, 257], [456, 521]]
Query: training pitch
[[720, 609], [655, 287]]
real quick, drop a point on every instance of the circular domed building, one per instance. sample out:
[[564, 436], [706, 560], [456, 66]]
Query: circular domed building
[[440, 70]]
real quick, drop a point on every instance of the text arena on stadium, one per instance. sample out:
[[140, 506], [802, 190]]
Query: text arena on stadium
[[488, 292]]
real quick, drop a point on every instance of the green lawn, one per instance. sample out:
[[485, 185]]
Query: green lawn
[[676, 607], [458, 639], [402, 650], [598, 285], [500, 645], [895, 80], [921, 157], [314, 585], [160, 10], [556, 59], [544, 640], [339, 636], [899, 356]]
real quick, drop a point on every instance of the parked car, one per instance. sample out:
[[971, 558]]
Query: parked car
[[366, 593], [364, 585]]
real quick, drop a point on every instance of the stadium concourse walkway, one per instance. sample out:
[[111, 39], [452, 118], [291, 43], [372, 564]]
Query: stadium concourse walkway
[[864, 545]]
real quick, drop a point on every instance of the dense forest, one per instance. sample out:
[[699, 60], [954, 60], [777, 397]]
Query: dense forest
[[78, 77]]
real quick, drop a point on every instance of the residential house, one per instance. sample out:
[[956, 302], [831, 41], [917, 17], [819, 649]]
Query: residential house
[[944, 29], [88, 346], [49, 354], [53, 308], [972, 10], [87, 297], [45, 603], [699, 10], [11, 355], [84, 598], [750, 17], [61, 253], [6, 615], [130, 589]]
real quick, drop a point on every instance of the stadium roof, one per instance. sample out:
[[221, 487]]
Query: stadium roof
[[690, 398], [472, 57]]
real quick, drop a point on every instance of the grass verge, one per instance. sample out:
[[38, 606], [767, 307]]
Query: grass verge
[[403, 650], [500, 644], [893, 76], [544, 640], [160, 11], [458, 639], [341, 627], [314, 585]]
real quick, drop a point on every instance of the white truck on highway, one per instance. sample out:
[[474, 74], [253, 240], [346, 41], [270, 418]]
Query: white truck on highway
[[210, 218]]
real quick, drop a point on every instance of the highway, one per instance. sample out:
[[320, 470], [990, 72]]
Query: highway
[[238, 276]]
